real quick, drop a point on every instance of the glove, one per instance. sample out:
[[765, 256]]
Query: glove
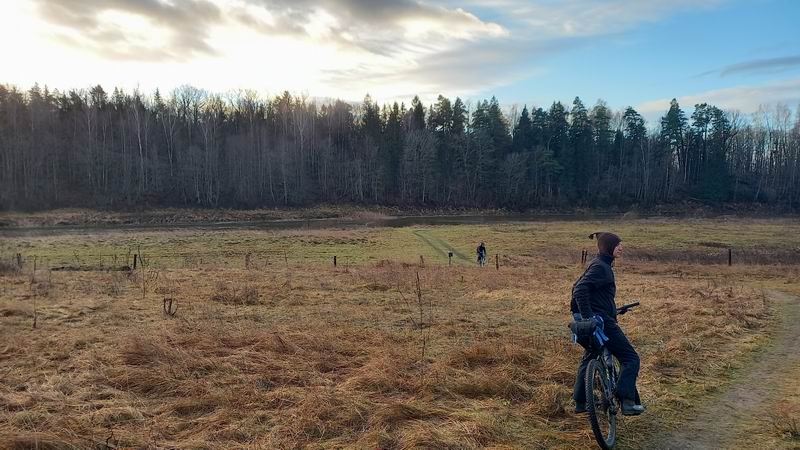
[[597, 325]]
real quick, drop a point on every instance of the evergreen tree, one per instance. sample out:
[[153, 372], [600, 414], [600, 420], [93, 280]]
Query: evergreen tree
[[580, 146], [459, 117], [417, 115], [523, 133], [557, 134], [603, 137], [715, 184], [393, 150]]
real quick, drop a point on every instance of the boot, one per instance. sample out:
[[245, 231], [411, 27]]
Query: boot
[[580, 408], [630, 408]]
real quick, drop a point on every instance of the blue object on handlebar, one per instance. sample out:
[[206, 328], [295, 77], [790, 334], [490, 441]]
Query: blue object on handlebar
[[598, 331]]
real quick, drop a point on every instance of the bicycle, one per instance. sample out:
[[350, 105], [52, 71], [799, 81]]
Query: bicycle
[[602, 404], [481, 260]]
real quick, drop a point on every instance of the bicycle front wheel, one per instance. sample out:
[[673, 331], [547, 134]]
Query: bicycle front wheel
[[602, 414]]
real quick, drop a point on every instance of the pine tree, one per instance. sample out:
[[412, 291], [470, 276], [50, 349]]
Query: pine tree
[[603, 137], [417, 115], [558, 143], [580, 146], [459, 117], [523, 133]]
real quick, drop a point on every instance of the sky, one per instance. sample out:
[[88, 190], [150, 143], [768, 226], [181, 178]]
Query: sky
[[735, 54]]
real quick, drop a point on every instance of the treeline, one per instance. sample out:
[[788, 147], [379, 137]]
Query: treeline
[[89, 148]]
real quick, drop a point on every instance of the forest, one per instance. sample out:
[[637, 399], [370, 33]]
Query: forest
[[92, 148]]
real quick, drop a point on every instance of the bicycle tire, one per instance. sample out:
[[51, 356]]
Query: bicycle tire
[[598, 406]]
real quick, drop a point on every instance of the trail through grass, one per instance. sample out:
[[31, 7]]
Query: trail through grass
[[722, 421], [440, 245]]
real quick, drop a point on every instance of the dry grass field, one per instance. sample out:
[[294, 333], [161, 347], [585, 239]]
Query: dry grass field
[[271, 346]]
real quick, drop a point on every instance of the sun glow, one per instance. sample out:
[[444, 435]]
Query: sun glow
[[248, 47]]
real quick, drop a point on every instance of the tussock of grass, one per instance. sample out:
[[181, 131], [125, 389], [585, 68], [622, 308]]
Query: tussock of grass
[[247, 295]]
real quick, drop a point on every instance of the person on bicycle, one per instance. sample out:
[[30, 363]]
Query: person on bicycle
[[593, 298], [481, 254]]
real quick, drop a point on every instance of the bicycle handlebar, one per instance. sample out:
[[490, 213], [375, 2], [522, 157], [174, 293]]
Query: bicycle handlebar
[[624, 308]]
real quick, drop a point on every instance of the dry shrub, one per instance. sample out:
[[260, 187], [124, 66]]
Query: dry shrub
[[248, 295]]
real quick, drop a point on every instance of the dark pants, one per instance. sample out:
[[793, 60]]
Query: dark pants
[[621, 348]]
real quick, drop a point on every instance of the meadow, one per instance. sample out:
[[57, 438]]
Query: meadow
[[254, 339]]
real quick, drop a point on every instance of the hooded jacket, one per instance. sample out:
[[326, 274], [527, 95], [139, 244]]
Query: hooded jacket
[[595, 290]]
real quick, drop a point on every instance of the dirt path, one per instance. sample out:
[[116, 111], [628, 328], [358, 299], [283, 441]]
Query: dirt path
[[717, 424], [440, 245]]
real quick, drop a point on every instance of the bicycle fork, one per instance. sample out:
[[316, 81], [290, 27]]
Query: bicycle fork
[[611, 386]]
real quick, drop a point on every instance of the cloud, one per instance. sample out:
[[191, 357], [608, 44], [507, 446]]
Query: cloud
[[584, 18], [762, 65], [389, 48], [746, 99], [461, 70], [372, 26], [100, 25]]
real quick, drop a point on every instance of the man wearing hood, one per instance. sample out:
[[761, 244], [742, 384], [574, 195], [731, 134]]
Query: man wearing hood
[[593, 298]]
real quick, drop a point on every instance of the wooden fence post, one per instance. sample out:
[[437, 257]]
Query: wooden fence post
[[135, 261], [497, 261], [334, 260], [730, 257]]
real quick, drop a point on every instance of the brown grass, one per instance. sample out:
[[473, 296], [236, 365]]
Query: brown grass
[[785, 420], [316, 357], [8, 268]]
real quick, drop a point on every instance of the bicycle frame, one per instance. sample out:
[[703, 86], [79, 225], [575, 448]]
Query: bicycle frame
[[606, 360], [603, 364]]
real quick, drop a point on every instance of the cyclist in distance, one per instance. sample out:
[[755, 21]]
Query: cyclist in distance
[[593, 298], [481, 254]]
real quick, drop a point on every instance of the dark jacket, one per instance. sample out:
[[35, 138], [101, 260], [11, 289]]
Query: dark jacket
[[595, 290]]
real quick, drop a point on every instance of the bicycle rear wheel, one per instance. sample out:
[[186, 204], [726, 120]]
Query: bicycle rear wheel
[[602, 414]]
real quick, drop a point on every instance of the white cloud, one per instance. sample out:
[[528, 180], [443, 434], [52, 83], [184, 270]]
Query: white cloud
[[583, 18], [344, 48], [746, 99]]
